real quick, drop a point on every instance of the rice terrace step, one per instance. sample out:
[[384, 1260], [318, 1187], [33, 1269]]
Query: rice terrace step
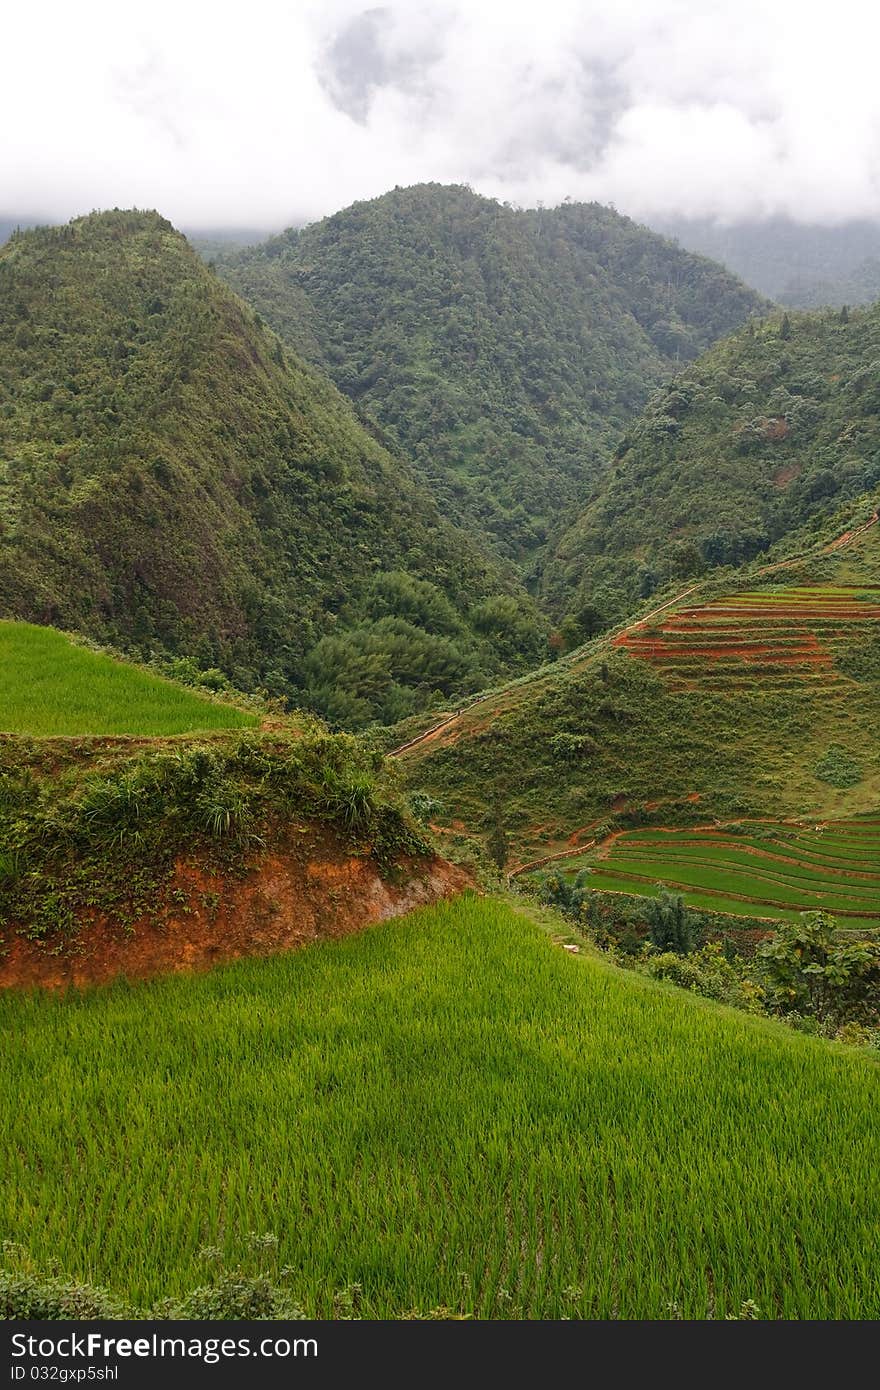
[[779, 633], [765, 869]]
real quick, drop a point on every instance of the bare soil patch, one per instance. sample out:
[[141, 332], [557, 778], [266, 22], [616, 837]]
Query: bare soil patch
[[295, 895]]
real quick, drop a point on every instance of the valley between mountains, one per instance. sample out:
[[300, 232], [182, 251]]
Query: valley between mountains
[[439, 774]]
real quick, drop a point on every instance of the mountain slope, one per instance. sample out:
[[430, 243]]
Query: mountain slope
[[501, 349], [774, 427], [774, 715], [171, 479]]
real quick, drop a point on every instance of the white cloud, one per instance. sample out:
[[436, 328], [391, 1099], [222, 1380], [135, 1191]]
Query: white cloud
[[277, 112]]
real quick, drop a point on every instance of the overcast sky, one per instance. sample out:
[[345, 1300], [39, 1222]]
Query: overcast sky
[[267, 113]]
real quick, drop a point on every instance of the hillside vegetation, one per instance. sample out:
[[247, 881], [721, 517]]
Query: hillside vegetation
[[773, 428], [503, 350], [760, 869], [601, 1147], [764, 703], [150, 836], [172, 480], [49, 686]]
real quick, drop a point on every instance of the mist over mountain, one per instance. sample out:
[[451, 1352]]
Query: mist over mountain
[[800, 264]]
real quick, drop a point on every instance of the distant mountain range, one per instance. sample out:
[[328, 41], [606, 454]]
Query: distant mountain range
[[800, 265]]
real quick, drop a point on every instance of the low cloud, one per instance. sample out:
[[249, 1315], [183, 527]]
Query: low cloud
[[275, 113]]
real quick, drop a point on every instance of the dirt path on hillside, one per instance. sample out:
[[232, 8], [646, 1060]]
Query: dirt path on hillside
[[570, 852], [431, 734], [846, 539], [427, 735]]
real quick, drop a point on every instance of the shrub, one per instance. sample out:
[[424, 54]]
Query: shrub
[[235, 1295], [425, 807], [813, 973], [26, 1297], [671, 926], [708, 972], [28, 1294], [838, 768], [568, 895]]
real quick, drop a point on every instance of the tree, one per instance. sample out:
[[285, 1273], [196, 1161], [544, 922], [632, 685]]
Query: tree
[[590, 620], [811, 971], [670, 926]]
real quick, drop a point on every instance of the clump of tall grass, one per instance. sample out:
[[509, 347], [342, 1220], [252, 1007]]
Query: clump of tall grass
[[106, 833]]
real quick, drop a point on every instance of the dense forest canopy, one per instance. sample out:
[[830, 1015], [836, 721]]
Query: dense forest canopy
[[173, 479], [502, 350], [775, 427]]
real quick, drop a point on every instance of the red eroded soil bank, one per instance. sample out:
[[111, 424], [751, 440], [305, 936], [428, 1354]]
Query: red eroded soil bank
[[286, 899]]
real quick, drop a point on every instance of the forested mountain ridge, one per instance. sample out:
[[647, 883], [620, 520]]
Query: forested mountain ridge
[[773, 428], [172, 480], [503, 350]]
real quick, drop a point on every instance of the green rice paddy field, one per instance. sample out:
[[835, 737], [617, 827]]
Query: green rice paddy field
[[446, 1110], [766, 870], [49, 686]]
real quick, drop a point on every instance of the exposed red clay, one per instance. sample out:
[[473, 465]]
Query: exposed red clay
[[577, 835], [776, 428], [806, 651], [284, 901], [546, 859], [783, 476]]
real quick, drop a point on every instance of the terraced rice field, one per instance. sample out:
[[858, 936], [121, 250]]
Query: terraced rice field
[[774, 870], [786, 635]]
